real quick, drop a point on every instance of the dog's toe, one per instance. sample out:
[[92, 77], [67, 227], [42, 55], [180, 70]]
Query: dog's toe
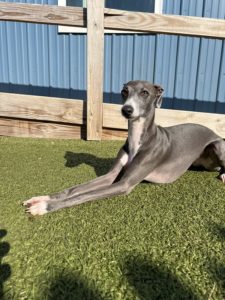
[[222, 177], [38, 208], [34, 200]]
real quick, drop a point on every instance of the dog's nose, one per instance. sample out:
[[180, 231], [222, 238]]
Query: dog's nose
[[127, 111]]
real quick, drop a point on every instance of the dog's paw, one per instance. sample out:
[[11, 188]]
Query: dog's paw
[[37, 208], [35, 200], [222, 177]]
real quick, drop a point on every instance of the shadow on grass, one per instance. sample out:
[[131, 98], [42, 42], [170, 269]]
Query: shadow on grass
[[219, 232], [153, 282], [72, 287], [5, 270], [100, 165], [216, 268]]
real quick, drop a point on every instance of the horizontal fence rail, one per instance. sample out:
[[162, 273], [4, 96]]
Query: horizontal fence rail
[[65, 118], [43, 14], [114, 19], [167, 24]]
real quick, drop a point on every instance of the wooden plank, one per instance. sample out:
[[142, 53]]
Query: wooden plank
[[95, 57], [32, 129], [68, 111], [43, 14], [113, 134], [42, 108], [25, 128], [164, 117], [112, 118], [163, 23], [114, 19], [169, 117]]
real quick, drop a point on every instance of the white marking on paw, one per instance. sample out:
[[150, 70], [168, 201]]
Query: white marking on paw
[[34, 200], [39, 208], [124, 159], [222, 177]]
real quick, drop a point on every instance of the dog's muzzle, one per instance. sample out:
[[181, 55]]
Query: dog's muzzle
[[127, 111]]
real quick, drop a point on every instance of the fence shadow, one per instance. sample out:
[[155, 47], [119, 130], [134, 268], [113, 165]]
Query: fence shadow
[[5, 270], [199, 105], [100, 165], [150, 281], [72, 286]]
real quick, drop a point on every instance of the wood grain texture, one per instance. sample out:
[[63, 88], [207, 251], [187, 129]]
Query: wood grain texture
[[114, 19], [112, 118], [42, 108], [26, 128], [113, 134], [169, 117], [43, 14], [95, 58], [67, 111], [163, 23], [32, 129]]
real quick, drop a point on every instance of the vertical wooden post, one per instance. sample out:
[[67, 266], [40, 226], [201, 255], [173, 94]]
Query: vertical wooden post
[[95, 58]]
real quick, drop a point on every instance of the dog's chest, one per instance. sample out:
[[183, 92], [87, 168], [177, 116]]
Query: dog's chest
[[134, 137]]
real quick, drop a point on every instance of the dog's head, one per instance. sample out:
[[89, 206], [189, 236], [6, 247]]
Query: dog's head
[[139, 98]]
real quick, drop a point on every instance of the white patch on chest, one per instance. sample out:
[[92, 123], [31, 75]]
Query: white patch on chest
[[134, 137]]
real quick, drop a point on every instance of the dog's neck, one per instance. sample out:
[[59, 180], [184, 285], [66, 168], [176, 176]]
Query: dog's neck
[[139, 130]]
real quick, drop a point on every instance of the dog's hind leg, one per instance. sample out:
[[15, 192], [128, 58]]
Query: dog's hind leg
[[219, 149]]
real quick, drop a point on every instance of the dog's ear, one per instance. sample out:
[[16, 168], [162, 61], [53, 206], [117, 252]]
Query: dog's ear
[[159, 92]]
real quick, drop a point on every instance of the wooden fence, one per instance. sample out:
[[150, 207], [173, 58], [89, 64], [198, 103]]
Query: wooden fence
[[37, 116]]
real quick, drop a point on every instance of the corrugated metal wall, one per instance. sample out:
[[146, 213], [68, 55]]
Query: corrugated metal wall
[[193, 68], [35, 59]]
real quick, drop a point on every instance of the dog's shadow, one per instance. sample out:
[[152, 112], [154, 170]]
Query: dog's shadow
[[100, 165]]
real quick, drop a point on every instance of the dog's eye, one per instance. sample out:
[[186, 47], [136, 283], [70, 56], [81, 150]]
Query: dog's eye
[[144, 93], [124, 93]]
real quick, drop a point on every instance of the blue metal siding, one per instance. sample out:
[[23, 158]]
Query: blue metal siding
[[209, 62], [127, 57], [194, 64], [35, 59], [140, 5], [186, 61]]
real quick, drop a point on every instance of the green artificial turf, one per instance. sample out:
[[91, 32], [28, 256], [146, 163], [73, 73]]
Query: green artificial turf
[[159, 242]]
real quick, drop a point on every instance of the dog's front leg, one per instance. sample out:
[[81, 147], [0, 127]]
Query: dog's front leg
[[115, 189], [134, 173], [97, 183], [132, 176], [101, 181]]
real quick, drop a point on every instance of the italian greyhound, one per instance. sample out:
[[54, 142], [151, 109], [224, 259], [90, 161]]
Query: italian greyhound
[[152, 153]]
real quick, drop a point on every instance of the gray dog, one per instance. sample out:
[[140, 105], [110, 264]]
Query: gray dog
[[151, 153]]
